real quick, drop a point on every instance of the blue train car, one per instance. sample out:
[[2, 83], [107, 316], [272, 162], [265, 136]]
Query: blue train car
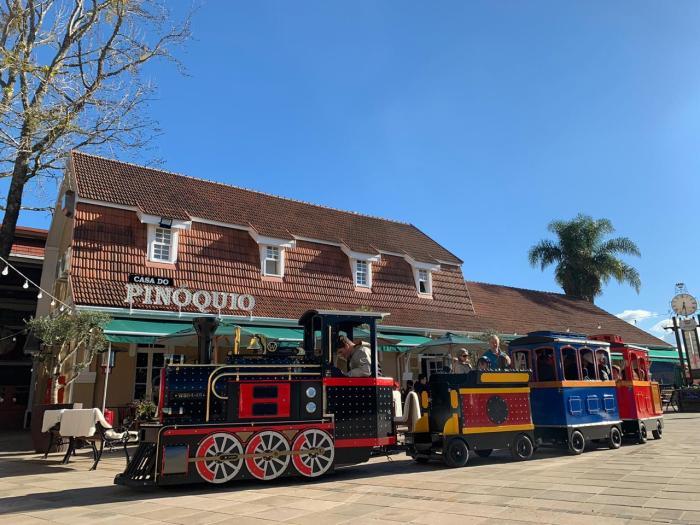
[[573, 396]]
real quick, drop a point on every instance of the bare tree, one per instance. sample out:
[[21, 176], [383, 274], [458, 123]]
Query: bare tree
[[71, 77]]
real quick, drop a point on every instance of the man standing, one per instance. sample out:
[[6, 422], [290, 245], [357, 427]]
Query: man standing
[[358, 357], [497, 358], [461, 364]]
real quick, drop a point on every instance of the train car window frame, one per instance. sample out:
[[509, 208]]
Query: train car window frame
[[536, 360], [608, 365], [618, 360], [570, 350], [528, 358], [583, 371]]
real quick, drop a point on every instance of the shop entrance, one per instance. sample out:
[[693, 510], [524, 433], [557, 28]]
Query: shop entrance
[[150, 360]]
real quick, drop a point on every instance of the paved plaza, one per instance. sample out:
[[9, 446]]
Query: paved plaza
[[656, 482]]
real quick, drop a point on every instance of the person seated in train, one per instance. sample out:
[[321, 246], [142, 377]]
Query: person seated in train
[[570, 367], [496, 357], [603, 369], [588, 367], [421, 385], [461, 365], [483, 364], [616, 372], [545, 366], [357, 355]]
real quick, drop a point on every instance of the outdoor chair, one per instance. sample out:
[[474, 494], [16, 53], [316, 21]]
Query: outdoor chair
[[89, 426], [669, 399]]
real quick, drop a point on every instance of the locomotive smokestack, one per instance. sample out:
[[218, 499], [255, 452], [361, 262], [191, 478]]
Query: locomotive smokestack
[[205, 328]]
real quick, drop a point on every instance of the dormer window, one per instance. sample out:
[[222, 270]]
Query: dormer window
[[272, 261], [424, 282], [162, 244], [362, 276]]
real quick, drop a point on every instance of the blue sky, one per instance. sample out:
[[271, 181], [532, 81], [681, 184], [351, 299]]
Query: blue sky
[[477, 121]]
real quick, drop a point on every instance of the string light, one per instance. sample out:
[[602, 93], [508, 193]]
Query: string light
[[25, 285], [6, 270], [39, 295], [53, 302], [28, 281]]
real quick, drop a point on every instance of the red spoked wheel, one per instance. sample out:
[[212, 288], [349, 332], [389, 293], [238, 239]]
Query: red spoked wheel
[[269, 451], [315, 452], [222, 453]]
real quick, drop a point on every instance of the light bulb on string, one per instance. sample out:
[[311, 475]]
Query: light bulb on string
[[6, 270], [26, 284], [53, 302], [40, 295]]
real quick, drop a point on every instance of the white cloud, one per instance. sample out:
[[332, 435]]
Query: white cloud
[[634, 316], [658, 328]]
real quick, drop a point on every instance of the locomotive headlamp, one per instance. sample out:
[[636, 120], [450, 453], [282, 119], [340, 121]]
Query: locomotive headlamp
[[311, 392], [311, 407]]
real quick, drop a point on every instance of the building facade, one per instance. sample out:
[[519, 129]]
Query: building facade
[[155, 249]]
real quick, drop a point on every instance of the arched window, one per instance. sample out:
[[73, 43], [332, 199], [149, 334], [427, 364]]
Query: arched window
[[588, 368], [569, 361], [635, 368], [521, 359], [602, 358], [643, 369], [544, 369]]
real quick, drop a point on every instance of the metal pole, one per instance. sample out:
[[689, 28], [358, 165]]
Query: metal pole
[[679, 345], [107, 369]]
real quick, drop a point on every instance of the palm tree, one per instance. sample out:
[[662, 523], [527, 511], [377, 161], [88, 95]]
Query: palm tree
[[584, 259]]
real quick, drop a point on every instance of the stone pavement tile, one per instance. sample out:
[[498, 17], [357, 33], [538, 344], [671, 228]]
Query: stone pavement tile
[[195, 517], [691, 516], [53, 514], [585, 519], [310, 504], [282, 514], [630, 501], [357, 509], [242, 509], [323, 518], [683, 496], [468, 509], [244, 520], [171, 515], [659, 503], [21, 519], [565, 496], [440, 518], [395, 514], [668, 514], [381, 501]]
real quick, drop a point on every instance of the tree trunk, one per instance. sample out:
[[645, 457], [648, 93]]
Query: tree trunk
[[13, 205]]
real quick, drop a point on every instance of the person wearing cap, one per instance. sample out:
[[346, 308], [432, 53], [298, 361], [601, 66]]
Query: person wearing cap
[[461, 363], [496, 357], [358, 357]]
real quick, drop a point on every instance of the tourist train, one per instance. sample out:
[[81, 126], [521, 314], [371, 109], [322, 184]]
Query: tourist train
[[292, 412]]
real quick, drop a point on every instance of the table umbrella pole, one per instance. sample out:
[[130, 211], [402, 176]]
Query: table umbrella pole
[[107, 369]]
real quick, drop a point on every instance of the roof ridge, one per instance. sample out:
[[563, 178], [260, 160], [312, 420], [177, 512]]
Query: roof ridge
[[524, 289], [299, 201]]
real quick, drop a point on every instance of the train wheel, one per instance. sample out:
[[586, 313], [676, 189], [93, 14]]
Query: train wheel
[[642, 435], [615, 438], [225, 451], [456, 453], [317, 452], [522, 448], [484, 452], [270, 455], [576, 442], [658, 432]]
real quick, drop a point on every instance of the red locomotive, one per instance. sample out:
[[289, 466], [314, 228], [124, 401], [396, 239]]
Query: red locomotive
[[639, 398]]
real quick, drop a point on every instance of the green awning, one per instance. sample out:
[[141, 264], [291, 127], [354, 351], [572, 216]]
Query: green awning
[[664, 355], [141, 332], [184, 337], [278, 334], [405, 342]]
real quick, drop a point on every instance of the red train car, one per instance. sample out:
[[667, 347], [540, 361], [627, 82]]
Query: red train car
[[639, 398]]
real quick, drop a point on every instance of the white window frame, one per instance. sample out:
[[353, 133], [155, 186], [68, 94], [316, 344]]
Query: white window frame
[[428, 281], [263, 259], [356, 271], [174, 240]]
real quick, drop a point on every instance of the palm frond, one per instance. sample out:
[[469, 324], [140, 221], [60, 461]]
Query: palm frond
[[545, 253], [621, 245]]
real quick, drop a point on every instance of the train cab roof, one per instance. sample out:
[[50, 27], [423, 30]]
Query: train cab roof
[[545, 336], [342, 315], [618, 345]]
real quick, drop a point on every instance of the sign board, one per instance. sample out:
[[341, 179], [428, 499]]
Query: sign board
[[152, 280], [689, 324], [203, 300]]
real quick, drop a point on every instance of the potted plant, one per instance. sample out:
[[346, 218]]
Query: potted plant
[[69, 343]]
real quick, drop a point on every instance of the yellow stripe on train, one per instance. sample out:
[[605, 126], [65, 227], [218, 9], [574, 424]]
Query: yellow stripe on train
[[504, 377], [519, 390], [506, 428]]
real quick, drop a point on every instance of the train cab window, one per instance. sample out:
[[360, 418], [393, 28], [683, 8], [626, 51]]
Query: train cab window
[[643, 370], [588, 367], [618, 367], [521, 360], [569, 361], [637, 373], [544, 365], [602, 358]]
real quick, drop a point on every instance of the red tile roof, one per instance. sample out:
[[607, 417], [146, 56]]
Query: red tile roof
[[516, 310], [29, 242], [166, 194], [109, 244]]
